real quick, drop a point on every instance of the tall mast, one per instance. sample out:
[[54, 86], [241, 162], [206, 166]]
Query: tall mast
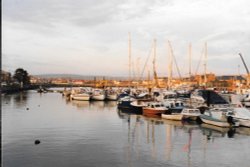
[[170, 64], [148, 76], [205, 65], [154, 66], [129, 57], [190, 57], [138, 68]]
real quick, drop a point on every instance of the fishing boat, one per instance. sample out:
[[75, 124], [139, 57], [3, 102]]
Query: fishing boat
[[154, 108], [218, 117]]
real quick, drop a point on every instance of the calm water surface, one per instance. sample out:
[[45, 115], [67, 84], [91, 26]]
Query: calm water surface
[[97, 134]]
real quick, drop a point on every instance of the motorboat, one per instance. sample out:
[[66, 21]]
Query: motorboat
[[241, 114], [190, 113], [154, 108], [80, 94], [137, 106], [246, 100], [98, 95], [174, 109], [124, 102], [111, 95], [176, 116], [205, 98], [218, 117]]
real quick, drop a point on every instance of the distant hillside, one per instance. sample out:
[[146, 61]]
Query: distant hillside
[[75, 76]]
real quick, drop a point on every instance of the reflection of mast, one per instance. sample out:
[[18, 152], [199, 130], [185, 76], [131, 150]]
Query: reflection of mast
[[204, 142], [154, 66], [187, 147], [129, 142], [153, 140], [168, 142], [147, 131], [138, 134]]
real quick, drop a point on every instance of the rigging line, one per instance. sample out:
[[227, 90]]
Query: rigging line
[[172, 53], [149, 54], [176, 65]]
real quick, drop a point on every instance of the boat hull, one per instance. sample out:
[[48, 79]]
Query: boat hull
[[244, 122], [215, 122], [175, 117], [192, 117], [124, 104], [98, 97], [112, 97], [81, 97], [152, 112]]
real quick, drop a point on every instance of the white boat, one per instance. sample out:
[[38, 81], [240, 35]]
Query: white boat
[[190, 113], [80, 94], [218, 117], [240, 114], [205, 98], [169, 94], [196, 97], [174, 109], [246, 100], [111, 96], [98, 95], [172, 116], [173, 103]]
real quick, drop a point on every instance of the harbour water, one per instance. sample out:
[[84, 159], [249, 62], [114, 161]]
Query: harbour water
[[78, 133]]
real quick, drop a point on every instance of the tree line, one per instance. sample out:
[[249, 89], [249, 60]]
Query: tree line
[[20, 77]]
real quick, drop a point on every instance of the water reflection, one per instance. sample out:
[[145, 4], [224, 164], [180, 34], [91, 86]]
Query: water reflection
[[80, 104], [154, 139], [6, 99], [243, 131], [212, 131], [105, 136], [20, 99]]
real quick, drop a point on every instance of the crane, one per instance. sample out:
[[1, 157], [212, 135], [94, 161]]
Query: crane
[[248, 75]]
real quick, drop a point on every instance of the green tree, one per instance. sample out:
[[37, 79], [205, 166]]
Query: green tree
[[22, 77]]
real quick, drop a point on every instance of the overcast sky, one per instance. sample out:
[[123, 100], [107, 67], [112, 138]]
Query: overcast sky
[[90, 37]]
